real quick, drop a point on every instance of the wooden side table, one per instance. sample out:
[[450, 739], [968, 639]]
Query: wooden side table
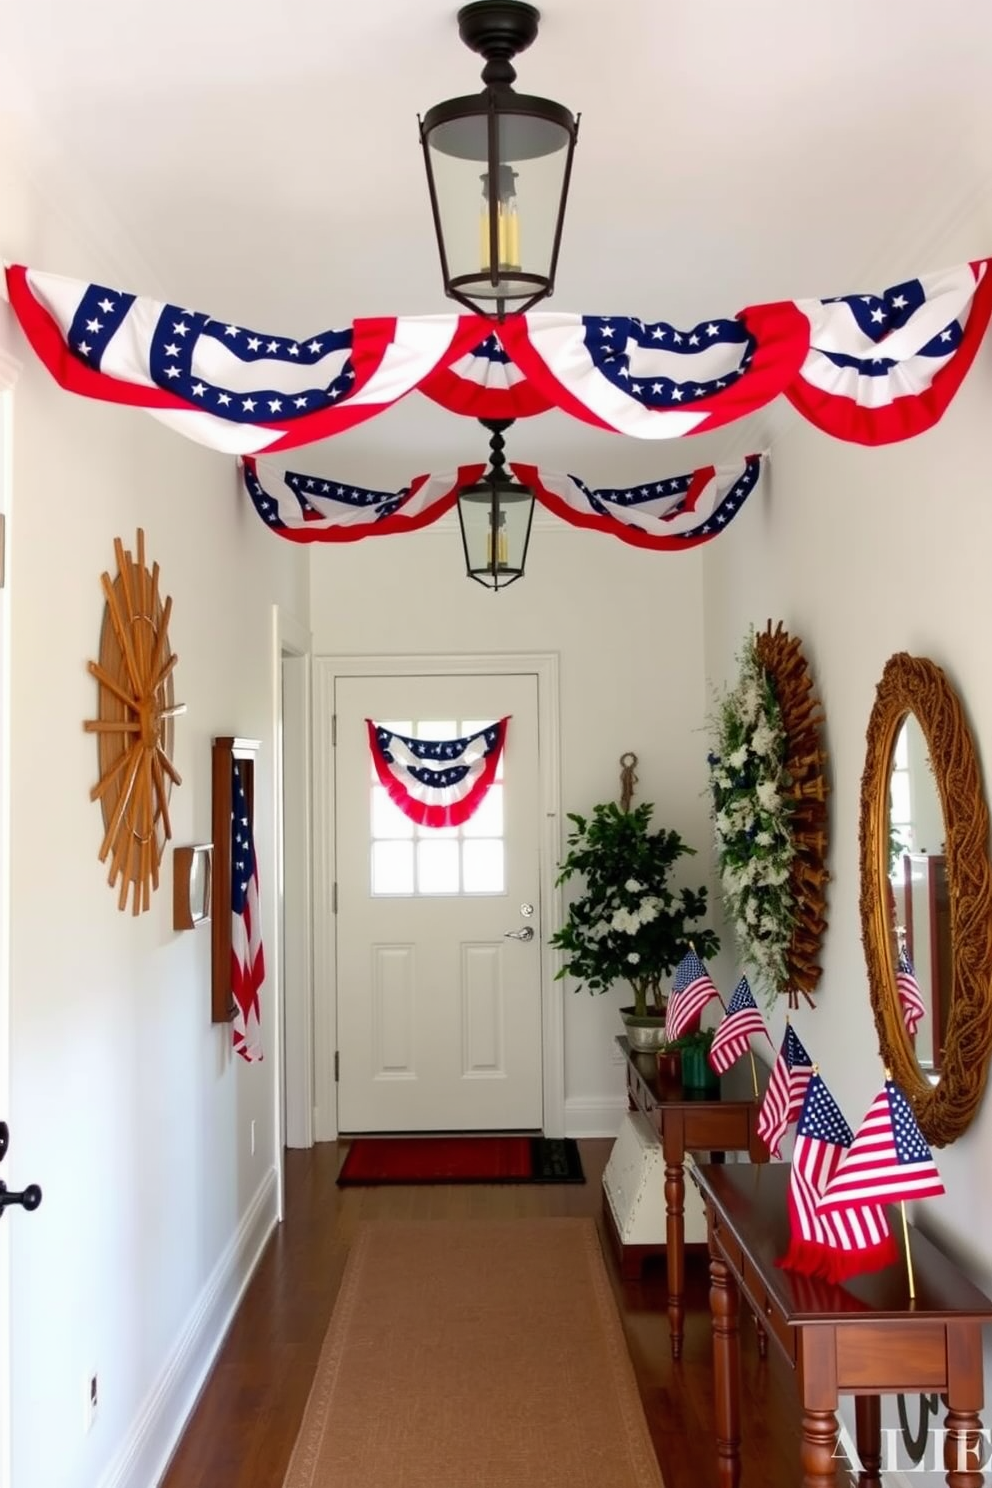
[[865, 1338], [685, 1121]]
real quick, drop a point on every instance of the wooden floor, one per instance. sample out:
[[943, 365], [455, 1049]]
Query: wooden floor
[[246, 1422]]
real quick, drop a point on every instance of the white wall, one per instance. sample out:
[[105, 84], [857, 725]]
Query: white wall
[[627, 627], [862, 553], [126, 1104]]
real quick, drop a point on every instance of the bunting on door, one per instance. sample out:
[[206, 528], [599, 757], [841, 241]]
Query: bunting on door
[[437, 782]]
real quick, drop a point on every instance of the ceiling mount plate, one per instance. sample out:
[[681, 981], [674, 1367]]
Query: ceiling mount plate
[[498, 29]]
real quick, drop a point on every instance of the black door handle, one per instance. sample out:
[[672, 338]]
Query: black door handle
[[29, 1197]]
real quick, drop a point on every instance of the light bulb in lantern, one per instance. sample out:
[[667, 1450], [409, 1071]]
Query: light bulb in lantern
[[507, 221], [497, 529]]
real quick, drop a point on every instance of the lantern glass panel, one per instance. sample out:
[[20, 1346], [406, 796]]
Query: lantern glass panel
[[495, 535], [530, 170]]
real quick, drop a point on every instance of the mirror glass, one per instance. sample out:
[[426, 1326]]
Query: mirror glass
[[916, 892], [926, 896]]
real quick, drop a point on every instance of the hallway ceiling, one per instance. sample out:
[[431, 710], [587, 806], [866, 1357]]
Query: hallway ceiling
[[261, 162]]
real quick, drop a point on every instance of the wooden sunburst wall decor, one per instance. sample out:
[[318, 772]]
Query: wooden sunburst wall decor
[[781, 655], [134, 729]]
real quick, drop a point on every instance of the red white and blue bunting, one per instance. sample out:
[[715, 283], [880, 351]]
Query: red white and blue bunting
[[221, 384], [881, 368], [871, 368], [437, 783], [675, 512]]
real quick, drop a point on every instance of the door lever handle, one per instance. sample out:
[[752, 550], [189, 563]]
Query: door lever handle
[[31, 1196], [526, 932]]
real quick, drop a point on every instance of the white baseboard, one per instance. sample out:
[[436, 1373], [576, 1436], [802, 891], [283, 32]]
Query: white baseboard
[[595, 1116], [146, 1450]]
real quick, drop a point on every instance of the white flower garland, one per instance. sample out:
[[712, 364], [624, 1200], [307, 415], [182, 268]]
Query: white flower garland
[[751, 816]]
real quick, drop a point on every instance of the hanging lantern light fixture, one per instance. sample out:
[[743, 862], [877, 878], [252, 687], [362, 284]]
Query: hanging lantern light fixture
[[498, 166], [495, 517]]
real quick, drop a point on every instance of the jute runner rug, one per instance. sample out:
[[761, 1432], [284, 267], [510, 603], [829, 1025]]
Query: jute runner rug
[[474, 1354]]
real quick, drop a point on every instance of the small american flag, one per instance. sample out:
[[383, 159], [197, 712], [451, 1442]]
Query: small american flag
[[786, 1091], [691, 991], [888, 1161], [846, 1240], [730, 1041], [913, 1006], [247, 955]]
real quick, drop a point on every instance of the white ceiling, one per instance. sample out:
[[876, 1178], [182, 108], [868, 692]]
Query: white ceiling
[[260, 160]]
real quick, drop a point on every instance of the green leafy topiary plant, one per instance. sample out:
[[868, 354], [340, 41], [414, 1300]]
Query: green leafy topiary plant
[[628, 925]]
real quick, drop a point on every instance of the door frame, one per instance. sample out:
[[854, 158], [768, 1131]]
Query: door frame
[[290, 1039], [327, 669], [293, 732]]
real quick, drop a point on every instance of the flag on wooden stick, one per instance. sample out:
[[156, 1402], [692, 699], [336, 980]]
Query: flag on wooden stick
[[786, 1091], [742, 1019], [691, 990], [846, 1240], [888, 1160]]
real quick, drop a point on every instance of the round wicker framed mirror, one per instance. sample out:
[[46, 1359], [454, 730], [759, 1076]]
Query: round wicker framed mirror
[[944, 1100]]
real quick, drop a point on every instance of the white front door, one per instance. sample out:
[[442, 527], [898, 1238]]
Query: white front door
[[439, 1005]]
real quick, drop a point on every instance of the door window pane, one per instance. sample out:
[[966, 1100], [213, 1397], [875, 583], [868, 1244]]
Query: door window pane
[[437, 866], [482, 864], [392, 867], [388, 820], [901, 805]]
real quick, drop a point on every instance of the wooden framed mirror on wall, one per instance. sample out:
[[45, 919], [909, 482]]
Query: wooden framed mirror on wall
[[926, 895]]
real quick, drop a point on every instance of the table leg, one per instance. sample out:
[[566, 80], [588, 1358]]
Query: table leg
[[965, 1445], [965, 1449], [818, 1451], [725, 1313], [675, 1253], [868, 1421], [762, 1338]]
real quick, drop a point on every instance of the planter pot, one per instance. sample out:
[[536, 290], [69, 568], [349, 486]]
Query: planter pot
[[697, 1072], [646, 1035]]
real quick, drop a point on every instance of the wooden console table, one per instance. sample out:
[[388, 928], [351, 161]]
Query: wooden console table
[[865, 1338], [690, 1121]]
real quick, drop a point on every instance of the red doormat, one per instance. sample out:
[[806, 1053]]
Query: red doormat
[[373, 1160]]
